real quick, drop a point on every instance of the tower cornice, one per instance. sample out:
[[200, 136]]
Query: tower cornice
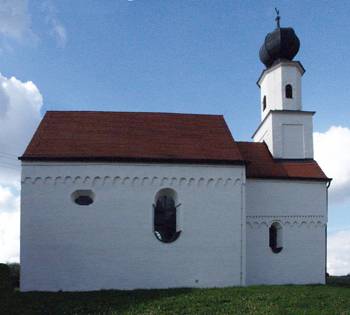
[[280, 63]]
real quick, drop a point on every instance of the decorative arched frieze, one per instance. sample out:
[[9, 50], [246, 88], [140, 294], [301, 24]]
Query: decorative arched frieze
[[116, 180], [93, 181], [308, 221], [173, 181], [219, 182], [96, 181], [154, 181], [135, 181], [210, 183], [106, 180], [192, 182], [48, 180], [69, 180], [87, 180], [164, 181], [126, 180], [182, 181], [145, 181], [201, 182]]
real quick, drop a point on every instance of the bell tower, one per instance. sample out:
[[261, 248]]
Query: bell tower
[[285, 127]]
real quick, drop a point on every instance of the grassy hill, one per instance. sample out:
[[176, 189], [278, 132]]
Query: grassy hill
[[333, 298]]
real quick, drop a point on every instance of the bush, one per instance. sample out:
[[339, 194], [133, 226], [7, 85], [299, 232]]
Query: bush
[[14, 274], [5, 278]]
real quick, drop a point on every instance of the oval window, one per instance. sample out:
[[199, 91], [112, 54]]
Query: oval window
[[165, 216], [275, 241], [83, 197]]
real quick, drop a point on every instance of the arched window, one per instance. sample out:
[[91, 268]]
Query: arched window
[[165, 216], [289, 91], [264, 102], [276, 242], [83, 197]]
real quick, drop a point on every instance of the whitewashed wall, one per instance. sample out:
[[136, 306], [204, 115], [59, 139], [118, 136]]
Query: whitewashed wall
[[301, 209], [110, 244], [272, 85]]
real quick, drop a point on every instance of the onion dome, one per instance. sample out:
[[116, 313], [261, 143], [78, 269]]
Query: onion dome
[[282, 43]]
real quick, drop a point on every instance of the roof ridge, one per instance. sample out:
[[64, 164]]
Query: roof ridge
[[131, 112]]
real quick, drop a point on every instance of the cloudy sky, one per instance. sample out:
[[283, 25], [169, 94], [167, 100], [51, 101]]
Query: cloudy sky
[[198, 56]]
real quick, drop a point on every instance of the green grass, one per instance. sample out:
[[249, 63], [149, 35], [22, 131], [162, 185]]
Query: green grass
[[333, 298]]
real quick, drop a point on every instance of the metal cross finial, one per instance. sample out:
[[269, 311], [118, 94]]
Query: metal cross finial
[[277, 17]]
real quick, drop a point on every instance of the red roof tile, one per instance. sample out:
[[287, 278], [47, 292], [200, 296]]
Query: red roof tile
[[127, 136], [261, 164]]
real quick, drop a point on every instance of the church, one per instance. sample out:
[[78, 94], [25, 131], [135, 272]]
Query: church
[[138, 200]]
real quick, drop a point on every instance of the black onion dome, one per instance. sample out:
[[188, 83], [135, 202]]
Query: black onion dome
[[282, 43]]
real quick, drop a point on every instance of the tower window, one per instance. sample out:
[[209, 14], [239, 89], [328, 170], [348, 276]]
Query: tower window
[[264, 102], [165, 216], [289, 91], [275, 239]]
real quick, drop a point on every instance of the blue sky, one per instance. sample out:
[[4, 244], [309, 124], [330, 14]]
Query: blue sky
[[182, 56], [197, 56]]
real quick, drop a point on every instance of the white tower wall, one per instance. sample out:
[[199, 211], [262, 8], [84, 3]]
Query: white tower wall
[[273, 84], [286, 129]]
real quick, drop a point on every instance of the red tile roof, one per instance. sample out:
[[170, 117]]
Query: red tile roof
[[128, 136], [261, 164], [156, 137]]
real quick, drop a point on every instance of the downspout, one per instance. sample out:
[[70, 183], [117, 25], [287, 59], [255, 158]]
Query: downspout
[[243, 226], [325, 230]]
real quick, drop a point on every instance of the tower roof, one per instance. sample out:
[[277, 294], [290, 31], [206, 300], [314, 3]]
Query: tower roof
[[282, 43]]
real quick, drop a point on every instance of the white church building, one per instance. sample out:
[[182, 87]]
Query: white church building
[[127, 200]]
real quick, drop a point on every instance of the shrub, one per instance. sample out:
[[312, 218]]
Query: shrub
[[14, 274], [5, 278]]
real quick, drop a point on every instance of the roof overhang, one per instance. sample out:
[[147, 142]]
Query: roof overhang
[[129, 160]]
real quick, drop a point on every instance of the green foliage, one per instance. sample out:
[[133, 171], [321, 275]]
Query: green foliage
[[5, 278], [309, 299], [14, 274]]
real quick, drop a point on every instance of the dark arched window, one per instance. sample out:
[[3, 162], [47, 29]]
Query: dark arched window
[[275, 241], [264, 102], [165, 216], [289, 91]]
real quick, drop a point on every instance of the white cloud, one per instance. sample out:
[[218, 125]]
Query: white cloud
[[57, 30], [9, 236], [338, 256], [15, 21], [332, 152], [20, 104]]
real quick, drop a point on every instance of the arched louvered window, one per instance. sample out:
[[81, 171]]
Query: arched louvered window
[[165, 216], [289, 91], [264, 102], [276, 241]]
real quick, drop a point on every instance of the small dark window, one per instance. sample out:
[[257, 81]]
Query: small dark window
[[264, 102], [83, 197], [289, 91], [275, 237], [165, 216]]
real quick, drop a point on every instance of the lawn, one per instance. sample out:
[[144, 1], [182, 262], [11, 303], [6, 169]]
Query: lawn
[[333, 298]]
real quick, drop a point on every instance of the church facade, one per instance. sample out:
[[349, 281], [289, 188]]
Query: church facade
[[122, 200]]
